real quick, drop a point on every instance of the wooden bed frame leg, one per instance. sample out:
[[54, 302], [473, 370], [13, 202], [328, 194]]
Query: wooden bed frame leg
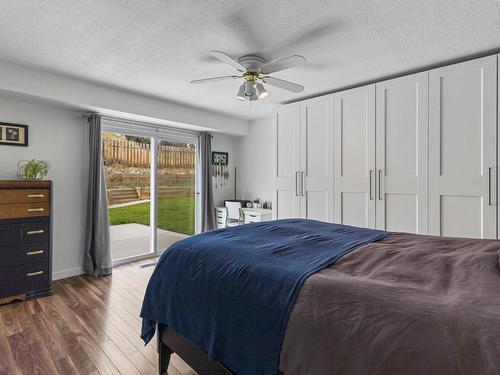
[[164, 353], [164, 359]]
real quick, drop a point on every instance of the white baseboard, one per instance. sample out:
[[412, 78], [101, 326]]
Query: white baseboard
[[63, 274], [57, 275]]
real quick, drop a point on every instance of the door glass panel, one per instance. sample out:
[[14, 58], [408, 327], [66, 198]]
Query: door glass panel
[[176, 192], [128, 172]]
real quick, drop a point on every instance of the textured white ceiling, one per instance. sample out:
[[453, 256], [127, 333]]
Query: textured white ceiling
[[157, 46]]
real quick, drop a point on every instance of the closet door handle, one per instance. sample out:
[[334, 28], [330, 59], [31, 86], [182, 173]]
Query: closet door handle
[[303, 183], [370, 177], [490, 200], [297, 184], [380, 184]]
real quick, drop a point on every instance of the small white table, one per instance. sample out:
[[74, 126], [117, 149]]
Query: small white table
[[250, 215]]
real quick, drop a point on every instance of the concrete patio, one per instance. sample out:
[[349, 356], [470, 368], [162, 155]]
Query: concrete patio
[[128, 240]]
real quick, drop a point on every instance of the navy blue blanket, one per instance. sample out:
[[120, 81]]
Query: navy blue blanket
[[231, 291]]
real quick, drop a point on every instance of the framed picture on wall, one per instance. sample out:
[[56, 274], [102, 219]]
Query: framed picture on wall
[[220, 158], [13, 134]]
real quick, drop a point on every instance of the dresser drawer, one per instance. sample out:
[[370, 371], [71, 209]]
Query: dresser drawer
[[17, 255], [21, 210], [27, 232], [24, 279], [35, 232], [10, 196]]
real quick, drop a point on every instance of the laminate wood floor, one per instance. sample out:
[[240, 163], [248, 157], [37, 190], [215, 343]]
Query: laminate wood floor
[[89, 326]]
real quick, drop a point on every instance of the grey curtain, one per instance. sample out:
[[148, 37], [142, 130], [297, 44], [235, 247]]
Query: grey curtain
[[207, 207], [97, 246]]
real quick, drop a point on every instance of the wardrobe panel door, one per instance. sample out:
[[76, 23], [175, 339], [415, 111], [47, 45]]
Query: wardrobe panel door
[[496, 185], [317, 158], [402, 154], [462, 149], [354, 141], [287, 163]]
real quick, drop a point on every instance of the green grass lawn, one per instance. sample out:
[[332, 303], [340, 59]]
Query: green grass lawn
[[174, 214]]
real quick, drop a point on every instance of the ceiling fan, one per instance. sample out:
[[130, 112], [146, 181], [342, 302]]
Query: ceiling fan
[[254, 70]]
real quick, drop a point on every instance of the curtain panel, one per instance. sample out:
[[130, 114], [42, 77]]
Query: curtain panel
[[207, 206], [98, 260]]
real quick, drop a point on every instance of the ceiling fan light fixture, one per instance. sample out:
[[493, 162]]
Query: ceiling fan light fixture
[[254, 70], [254, 96], [241, 93], [261, 91], [249, 88]]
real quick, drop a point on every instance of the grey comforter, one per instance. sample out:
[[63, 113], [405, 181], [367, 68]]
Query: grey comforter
[[407, 304]]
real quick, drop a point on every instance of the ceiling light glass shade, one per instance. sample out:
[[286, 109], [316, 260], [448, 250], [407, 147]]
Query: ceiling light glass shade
[[261, 91], [241, 93], [249, 88]]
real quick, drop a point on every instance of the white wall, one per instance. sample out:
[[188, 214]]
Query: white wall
[[68, 91], [58, 136], [224, 143], [254, 158]]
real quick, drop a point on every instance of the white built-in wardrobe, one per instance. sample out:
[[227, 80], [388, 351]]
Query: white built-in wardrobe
[[414, 154]]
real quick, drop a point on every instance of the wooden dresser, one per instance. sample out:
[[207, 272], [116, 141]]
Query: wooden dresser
[[25, 238]]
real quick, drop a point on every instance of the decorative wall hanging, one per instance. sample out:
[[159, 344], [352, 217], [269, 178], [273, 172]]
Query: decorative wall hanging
[[220, 157], [13, 134], [220, 169]]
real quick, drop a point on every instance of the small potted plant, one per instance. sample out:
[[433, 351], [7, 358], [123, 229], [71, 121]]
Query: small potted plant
[[32, 169]]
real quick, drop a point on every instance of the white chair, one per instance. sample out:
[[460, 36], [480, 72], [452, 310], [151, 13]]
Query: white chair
[[234, 214]]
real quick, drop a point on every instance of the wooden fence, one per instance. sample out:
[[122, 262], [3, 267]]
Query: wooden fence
[[134, 154], [144, 179]]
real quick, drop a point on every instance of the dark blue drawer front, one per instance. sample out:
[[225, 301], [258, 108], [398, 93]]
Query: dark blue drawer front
[[16, 255], [31, 231], [10, 234], [24, 279]]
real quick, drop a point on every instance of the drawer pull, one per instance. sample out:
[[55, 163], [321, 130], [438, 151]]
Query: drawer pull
[[37, 273], [36, 209], [30, 232], [36, 195], [37, 252]]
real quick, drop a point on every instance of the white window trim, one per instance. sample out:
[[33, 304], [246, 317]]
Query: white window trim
[[137, 128], [157, 133]]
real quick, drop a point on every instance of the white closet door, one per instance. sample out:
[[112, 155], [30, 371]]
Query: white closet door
[[287, 164], [462, 149], [316, 128], [497, 174], [402, 139], [354, 141]]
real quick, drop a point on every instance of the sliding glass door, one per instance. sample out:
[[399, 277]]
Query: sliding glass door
[[176, 192], [128, 177], [150, 182]]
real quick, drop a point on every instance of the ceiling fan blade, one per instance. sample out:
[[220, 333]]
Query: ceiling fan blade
[[214, 79], [282, 64], [282, 84], [227, 60]]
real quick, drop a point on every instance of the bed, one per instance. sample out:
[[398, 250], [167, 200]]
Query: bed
[[386, 303]]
